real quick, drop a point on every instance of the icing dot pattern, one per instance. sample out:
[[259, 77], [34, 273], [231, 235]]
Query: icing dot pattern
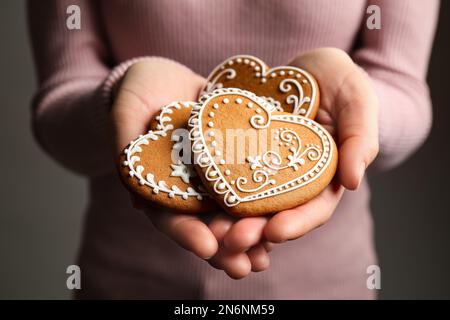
[[231, 198], [301, 106], [136, 169]]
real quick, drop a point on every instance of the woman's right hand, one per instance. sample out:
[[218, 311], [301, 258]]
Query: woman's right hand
[[146, 86]]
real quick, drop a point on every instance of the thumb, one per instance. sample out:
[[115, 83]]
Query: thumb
[[130, 117], [357, 127], [348, 96]]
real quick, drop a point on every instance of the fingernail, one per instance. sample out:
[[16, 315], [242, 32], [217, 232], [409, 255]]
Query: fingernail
[[362, 170]]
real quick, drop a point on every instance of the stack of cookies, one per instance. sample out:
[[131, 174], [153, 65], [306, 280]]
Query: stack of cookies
[[249, 144]]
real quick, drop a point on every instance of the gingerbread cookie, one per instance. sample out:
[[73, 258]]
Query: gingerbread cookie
[[289, 88], [154, 167], [255, 160]]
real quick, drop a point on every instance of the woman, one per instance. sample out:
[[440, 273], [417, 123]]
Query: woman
[[99, 87]]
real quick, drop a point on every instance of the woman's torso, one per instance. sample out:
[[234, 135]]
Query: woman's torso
[[123, 256]]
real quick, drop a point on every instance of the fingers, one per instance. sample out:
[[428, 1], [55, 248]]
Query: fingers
[[188, 231], [235, 265], [268, 246], [193, 235], [244, 234], [220, 225], [294, 223], [234, 259], [259, 258], [357, 123]]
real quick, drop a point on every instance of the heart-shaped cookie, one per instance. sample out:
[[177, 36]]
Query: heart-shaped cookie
[[153, 166], [255, 160], [289, 88]]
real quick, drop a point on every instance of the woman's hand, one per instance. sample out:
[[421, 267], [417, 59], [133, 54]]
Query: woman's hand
[[349, 110], [146, 86]]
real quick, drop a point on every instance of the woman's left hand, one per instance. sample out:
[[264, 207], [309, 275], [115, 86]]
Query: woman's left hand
[[349, 111]]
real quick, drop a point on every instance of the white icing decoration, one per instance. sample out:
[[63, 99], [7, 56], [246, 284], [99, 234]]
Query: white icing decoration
[[269, 163], [297, 101], [213, 84], [275, 103], [259, 176], [181, 170]]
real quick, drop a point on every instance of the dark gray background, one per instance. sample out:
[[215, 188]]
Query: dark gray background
[[41, 204]]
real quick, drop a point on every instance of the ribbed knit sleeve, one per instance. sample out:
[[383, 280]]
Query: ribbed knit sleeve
[[396, 58], [70, 108], [75, 72]]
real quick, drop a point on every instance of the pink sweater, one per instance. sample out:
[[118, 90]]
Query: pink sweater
[[122, 255]]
